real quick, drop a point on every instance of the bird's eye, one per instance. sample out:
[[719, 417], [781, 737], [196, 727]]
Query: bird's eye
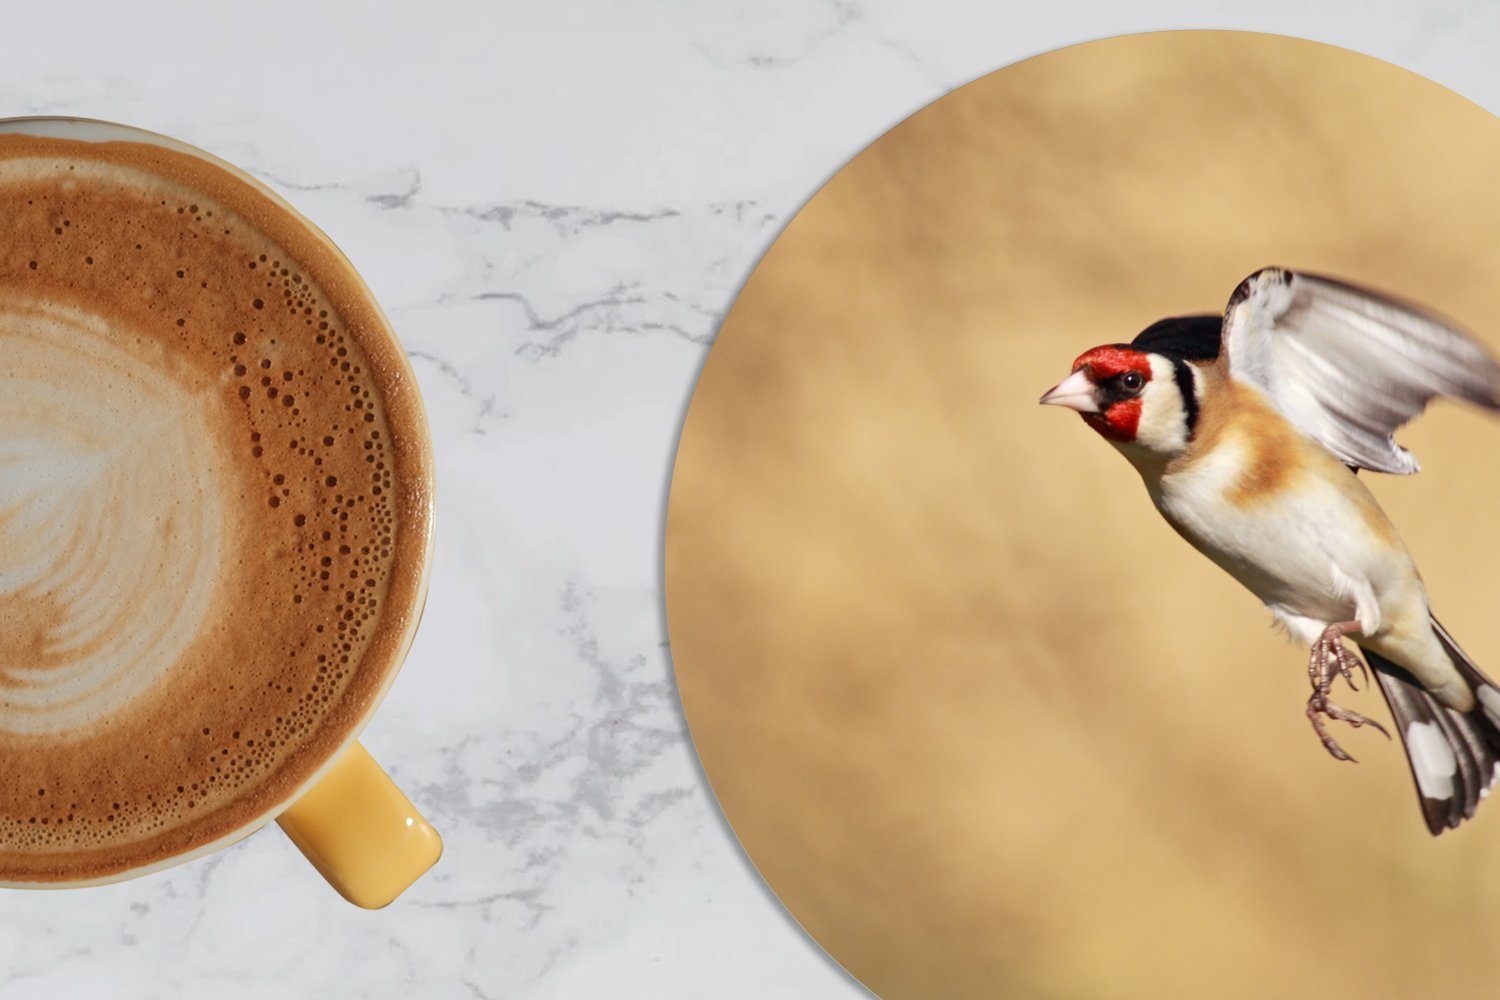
[[1132, 381]]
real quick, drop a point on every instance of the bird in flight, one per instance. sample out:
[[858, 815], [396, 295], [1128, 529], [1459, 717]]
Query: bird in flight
[[1249, 430]]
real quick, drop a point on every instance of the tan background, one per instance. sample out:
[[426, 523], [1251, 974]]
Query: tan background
[[983, 722]]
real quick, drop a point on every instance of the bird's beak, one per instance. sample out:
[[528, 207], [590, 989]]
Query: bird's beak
[[1075, 392]]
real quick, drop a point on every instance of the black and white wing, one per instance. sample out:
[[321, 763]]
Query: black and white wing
[[1349, 366], [1454, 756]]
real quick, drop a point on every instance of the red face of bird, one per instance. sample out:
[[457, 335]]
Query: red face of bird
[[1131, 397]]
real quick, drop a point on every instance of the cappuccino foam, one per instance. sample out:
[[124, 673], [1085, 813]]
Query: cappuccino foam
[[213, 511]]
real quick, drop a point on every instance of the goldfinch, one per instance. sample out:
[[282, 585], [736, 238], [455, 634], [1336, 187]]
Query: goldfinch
[[1249, 430]]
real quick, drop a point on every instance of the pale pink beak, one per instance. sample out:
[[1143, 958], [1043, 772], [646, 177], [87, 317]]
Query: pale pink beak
[[1075, 392]]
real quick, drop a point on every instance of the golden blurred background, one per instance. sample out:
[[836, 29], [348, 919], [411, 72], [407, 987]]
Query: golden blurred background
[[984, 723]]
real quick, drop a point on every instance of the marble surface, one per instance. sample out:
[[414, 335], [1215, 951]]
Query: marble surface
[[556, 203]]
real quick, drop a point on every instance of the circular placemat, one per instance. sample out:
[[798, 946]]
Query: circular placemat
[[983, 722]]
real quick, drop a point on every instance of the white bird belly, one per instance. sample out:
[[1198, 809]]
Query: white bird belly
[[1306, 537], [1307, 550]]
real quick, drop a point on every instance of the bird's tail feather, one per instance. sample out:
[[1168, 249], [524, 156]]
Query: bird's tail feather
[[1454, 756]]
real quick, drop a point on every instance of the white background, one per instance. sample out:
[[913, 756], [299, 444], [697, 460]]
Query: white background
[[556, 202]]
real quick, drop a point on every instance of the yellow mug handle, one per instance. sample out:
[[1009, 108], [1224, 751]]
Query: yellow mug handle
[[360, 832]]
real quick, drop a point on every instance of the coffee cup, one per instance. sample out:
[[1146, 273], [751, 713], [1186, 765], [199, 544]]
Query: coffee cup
[[215, 521]]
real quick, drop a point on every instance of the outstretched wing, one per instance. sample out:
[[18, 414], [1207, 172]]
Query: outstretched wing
[[1349, 366]]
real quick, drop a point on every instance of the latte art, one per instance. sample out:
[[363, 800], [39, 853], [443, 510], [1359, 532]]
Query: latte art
[[213, 511], [96, 611]]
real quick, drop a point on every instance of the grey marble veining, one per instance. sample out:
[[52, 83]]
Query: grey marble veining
[[556, 204]]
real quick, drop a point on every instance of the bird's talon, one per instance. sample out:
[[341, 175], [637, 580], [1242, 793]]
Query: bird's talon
[[1330, 658]]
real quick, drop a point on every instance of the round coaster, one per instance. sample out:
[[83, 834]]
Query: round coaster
[[985, 724]]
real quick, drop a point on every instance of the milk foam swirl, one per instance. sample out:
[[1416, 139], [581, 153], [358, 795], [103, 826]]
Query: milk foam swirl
[[110, 517]]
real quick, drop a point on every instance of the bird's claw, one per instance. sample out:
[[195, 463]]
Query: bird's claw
[[1330, 658], [1319, 705]]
